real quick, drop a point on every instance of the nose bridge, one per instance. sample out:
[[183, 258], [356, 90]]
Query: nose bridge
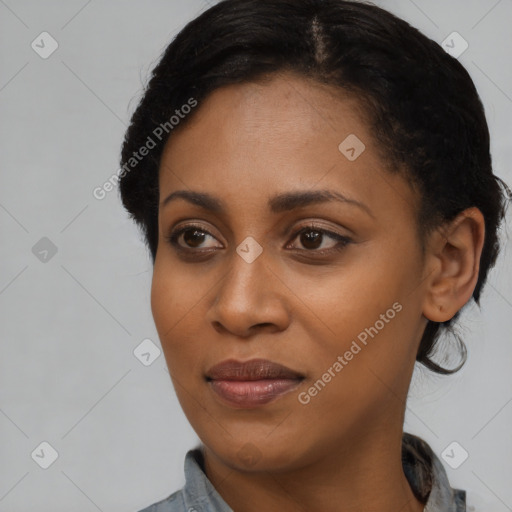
[[248, 295], [249, 256], [247, 270]]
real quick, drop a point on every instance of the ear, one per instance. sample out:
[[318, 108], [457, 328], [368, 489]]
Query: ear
[[453, 260]]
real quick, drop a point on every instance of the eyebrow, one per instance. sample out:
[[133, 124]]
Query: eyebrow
[[277, 204]]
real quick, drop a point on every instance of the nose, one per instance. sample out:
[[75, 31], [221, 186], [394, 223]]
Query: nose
[[249, 298]]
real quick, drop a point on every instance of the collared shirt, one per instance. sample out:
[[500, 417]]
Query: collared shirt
[[423, 469]]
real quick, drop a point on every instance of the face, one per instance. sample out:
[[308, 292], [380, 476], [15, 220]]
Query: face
[[306, 254]]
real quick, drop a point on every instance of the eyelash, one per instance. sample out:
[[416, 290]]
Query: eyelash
[[343, 241]]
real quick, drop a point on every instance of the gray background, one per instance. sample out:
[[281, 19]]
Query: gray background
[[69, 322]]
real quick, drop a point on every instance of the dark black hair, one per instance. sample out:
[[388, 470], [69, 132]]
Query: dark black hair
[[421, 105]]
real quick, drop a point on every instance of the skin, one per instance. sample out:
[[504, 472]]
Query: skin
[[341, 451]]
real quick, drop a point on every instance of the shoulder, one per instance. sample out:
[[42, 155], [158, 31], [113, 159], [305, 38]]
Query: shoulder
[[173, 503], [460, 499], [428, 478]]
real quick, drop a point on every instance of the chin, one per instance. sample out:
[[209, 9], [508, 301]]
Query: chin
[[255, 454]]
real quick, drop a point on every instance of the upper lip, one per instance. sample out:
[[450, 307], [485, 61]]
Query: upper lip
[[255, 369]]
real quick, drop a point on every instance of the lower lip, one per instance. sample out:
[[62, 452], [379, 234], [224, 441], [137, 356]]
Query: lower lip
[[253, 393]]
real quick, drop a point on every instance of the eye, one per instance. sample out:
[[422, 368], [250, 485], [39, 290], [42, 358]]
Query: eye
[[313, 236], [193, 236]]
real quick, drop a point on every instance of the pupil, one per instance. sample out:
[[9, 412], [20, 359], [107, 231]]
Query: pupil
[[308, 239], [190, 240]]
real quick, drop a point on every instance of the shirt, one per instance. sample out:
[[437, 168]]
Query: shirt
[[423, 470]]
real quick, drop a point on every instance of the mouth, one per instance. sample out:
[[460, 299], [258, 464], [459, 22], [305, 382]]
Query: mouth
[[252, 383]]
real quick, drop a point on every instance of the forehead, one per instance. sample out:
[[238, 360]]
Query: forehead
[[249, 141], [282, 112]]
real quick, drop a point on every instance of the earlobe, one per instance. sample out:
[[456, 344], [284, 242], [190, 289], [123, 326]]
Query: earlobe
[[454, 253]]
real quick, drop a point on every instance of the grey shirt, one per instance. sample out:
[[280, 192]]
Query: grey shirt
[[423, 469]]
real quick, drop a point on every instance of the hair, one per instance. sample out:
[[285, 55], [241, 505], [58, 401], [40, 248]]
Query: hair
[[420, 103]]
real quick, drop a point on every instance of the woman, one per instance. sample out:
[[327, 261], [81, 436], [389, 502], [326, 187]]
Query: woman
[[314, 183]]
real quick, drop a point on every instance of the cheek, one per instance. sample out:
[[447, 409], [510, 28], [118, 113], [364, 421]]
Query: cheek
[[174, 295], [176, 305], [163, 302], [368, 302], [347, 299], [169, 304]]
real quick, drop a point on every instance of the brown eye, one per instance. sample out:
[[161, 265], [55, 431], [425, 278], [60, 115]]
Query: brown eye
[[312, 237], [193, 237]]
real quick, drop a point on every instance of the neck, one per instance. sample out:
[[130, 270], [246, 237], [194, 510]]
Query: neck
[[363, 473]]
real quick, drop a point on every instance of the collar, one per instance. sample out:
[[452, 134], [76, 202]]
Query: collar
[[427, 477]]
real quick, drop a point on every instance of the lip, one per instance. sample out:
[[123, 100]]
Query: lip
[[251, 383]]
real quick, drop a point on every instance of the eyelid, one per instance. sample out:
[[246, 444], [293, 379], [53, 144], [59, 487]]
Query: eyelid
[[313, 225]]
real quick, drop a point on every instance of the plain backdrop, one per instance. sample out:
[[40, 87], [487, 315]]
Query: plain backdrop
[[75, 275]]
